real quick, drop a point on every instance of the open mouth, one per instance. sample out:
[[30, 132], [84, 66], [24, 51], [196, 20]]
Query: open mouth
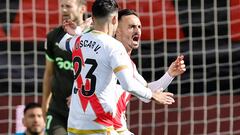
[[65, 17], [135, 38]]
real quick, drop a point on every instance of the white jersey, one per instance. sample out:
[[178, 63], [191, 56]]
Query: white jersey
[[96, 57], [120, 123]]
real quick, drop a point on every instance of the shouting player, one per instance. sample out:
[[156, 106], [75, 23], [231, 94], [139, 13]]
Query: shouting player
[[129, 33]]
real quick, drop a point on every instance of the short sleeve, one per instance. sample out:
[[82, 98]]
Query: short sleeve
[[68, 42], [119, 58], [48, 45]]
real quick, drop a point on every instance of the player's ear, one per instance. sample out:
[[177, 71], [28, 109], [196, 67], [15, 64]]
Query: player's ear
[[114, 20], [23, 122], [118, 31], [83, 9]]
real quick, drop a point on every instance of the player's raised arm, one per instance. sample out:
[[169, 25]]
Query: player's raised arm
[[72, 29], [134, 87], [176, 68], [73, 33], [67, 42], [121, 65]]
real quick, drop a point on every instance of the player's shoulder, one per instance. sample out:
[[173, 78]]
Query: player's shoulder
[[98, 37], [109, 40], [53, 37], [56, 32], [113, 43], [104, 40]]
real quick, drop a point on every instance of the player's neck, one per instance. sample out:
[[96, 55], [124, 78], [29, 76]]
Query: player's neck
[[103, 28], [129, 51]]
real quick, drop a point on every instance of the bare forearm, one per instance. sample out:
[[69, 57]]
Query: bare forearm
[[47, 79], [46, 94]]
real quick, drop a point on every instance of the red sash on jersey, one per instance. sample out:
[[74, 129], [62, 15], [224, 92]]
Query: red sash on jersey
[[121, 108], [102, 117]]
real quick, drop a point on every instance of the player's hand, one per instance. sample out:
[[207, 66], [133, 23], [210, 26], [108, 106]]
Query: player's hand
[[177, 67], [72, 29], [165, 98], [68, 101], [69, 26]]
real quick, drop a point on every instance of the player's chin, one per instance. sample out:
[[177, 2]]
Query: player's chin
[[36, 131], [66, 17], [135, 45], [36, 128]]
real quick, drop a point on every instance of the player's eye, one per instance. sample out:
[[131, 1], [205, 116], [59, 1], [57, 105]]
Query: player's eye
[[132, 26]]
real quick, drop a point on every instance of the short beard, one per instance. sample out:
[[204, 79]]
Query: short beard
[[35, 133]]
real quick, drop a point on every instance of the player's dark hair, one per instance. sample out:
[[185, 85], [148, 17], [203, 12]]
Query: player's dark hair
[[126, 12], [31, 106], [103, 8]]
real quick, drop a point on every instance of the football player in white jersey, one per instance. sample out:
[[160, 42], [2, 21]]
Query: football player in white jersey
[[98, 59], [129, 33]]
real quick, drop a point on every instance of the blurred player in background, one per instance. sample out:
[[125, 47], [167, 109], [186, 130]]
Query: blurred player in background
[[96, 55], [58, 75], [129, 33], [33, 120]]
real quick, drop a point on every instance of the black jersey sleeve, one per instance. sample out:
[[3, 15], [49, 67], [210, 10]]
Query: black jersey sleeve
[[49, 44]]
